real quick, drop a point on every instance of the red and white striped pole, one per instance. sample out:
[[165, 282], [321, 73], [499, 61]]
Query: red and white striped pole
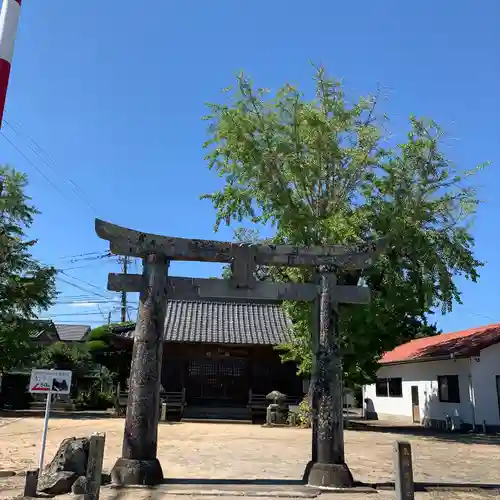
[[9, 19]]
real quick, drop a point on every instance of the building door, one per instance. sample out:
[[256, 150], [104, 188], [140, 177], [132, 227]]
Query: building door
[[233, 379], [212, 387], [415, 405], [217, 379]]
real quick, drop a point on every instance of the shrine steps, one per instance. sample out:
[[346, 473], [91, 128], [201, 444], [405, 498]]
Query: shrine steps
[[216, 414], [215, 421]]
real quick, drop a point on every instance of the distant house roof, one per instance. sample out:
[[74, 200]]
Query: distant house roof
[[72, 333], [44, 330], [463, 344], [215, 322]]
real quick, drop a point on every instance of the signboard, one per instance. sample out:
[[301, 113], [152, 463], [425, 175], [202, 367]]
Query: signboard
[[54, 381]]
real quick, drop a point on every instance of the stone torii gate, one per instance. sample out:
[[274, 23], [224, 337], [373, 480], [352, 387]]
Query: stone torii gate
[[139, 464]]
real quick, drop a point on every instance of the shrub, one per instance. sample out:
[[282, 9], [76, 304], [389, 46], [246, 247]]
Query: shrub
[[94, 400], [304, 414]]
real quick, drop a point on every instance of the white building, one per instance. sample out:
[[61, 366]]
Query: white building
[[455, 375]]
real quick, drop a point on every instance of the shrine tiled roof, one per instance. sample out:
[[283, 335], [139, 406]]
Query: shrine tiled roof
[[215, 322]]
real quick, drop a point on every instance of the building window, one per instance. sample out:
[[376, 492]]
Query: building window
[[389, 387], [395, 387], [448, 389], [381, 389]]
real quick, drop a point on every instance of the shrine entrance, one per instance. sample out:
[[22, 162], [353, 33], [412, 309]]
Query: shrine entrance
[[219, 375], [335, 270]]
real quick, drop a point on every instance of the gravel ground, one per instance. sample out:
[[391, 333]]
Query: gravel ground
[[225, 451]]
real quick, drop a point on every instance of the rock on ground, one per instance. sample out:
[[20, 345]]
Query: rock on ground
[[69, 462], [79, 486]]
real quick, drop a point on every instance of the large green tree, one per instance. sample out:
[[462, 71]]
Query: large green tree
[[26, 286], [322, 171]]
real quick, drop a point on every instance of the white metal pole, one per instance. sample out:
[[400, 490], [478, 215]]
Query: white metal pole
[[45, 428]]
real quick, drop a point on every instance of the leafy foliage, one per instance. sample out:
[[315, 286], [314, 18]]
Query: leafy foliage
[[26, 286], [94, 398], [63, 356], [304, 414], [321, 172], [105, 352]]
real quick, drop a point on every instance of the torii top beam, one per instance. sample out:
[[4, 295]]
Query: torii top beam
[[124, 241]]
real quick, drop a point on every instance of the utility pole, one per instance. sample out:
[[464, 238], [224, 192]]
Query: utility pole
[[109, 317], [124, 262]]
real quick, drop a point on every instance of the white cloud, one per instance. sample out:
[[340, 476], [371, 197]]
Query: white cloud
[[83, 304]]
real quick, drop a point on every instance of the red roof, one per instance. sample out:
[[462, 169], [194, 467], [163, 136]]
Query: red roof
[[463, 344]]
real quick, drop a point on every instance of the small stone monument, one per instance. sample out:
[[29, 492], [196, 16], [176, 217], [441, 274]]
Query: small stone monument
[[277, 411]]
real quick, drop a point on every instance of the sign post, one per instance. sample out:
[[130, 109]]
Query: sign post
[[403, 471], [45, 428], [48, 382]]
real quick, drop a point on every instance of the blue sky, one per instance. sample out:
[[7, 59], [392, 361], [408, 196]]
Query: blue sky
[[114, 92]]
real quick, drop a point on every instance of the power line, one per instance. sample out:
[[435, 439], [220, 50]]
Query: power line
[[82, 289], [89, 295], [82, 281], [83, 266], [51, 164], [80, 314], [35, 167], [489, 318], [73, 296], [66, 322], [86, 254], [83, 300], [80, 296], [105, 255]]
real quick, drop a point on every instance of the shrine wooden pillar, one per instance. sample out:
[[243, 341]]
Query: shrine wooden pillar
[[139, 463]]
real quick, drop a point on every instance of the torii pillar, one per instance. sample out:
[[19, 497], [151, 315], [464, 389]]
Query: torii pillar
[[327, 466], [139, 464]]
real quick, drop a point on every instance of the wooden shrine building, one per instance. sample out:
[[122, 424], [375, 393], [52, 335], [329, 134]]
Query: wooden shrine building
[[222, 354]]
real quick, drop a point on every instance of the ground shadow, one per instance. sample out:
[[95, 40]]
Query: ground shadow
[[423, 432], [248, 485], [226, 482], [237, 487], [421, 486], [55, 414]]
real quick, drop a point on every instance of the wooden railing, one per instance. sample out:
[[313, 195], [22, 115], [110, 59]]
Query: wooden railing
[[174, 401], [257, 402]]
